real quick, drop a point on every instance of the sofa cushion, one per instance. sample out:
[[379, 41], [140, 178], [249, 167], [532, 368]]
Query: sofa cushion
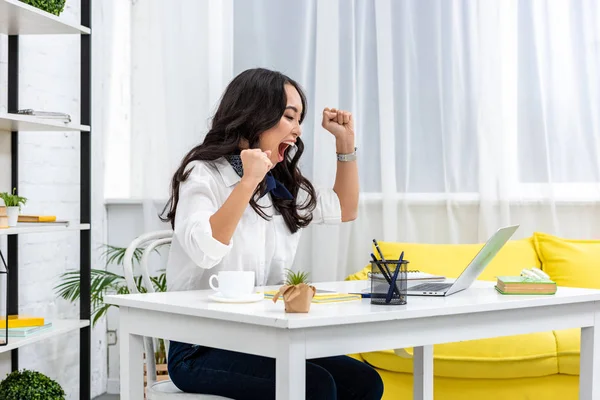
[[569, 262], [399, 386], [567, 346], [520, 356], [451, 259]]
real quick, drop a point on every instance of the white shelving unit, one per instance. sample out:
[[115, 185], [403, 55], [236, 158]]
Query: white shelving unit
[[59, 327], [27, 123], [18, 18], [26, 227]]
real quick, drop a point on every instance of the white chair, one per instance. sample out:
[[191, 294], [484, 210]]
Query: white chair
[[156, 390]]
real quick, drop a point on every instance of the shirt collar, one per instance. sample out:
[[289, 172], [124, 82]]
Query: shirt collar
[[227, 171]]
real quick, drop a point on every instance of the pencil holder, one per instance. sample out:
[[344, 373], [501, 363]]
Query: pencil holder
[[383, 289]]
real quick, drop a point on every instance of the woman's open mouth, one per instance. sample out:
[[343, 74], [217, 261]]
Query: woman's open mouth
[[283, 146]]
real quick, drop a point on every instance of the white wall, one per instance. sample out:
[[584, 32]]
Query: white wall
[[49, 177]]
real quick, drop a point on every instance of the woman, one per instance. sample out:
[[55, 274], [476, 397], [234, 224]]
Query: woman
[[238, 202]]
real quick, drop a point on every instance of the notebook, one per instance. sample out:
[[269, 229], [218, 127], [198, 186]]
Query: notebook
[[324, 297]]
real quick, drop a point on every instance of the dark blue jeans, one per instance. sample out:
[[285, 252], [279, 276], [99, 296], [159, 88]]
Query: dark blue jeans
[[247, 377]]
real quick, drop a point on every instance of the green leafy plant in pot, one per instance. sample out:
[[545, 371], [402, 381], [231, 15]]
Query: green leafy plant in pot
[[30, 385], [13, 203], [52, 6], [105, 283], [297, 292]]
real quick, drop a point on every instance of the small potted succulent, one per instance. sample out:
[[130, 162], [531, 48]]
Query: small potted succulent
[[25, 384], [297, 292], [13, 204]]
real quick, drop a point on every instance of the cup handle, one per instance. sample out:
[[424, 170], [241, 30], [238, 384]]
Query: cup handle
[[210, 282]]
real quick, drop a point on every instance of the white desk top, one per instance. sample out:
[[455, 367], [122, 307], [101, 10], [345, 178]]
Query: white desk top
[[481, 297]]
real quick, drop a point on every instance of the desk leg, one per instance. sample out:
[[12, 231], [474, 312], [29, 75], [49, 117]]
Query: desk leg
[[290, 372], [590, 362], [131, 351], [423, 373]]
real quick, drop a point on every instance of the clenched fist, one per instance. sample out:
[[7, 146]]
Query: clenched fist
[[341, 125], [256, 164], [338, 122]]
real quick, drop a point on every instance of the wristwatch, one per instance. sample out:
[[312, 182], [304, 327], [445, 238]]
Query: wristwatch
[[347, 156]]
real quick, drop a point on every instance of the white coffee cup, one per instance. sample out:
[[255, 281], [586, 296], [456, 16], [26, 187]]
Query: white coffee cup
[[233, 284]]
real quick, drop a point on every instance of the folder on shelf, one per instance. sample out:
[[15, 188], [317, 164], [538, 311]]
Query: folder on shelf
[[21, 321], [37, 218]]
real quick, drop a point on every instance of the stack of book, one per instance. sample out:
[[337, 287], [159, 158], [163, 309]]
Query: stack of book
[[525, 285], [22, 325]]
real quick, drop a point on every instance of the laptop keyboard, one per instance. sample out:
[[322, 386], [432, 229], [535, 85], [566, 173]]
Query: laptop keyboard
[[430, 287]]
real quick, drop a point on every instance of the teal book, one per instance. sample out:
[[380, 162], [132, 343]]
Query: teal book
[[25, 331]]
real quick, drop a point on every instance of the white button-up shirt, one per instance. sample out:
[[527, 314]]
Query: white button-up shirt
[[265, 247]]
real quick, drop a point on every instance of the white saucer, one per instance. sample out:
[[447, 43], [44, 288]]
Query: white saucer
[[251, 298]]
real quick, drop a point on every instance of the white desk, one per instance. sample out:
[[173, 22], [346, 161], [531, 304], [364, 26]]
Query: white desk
[[263, 328]]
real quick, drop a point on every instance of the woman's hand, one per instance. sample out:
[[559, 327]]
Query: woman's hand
[[256, 164], [341, 125]]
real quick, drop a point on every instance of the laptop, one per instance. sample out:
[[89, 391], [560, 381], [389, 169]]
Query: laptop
[[471, 272]]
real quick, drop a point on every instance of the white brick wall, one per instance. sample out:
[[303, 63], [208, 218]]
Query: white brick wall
[[49, 177]]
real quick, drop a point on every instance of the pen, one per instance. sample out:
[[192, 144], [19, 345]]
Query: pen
[[383, 272], [391, 289], [381, 256], [387, 277]]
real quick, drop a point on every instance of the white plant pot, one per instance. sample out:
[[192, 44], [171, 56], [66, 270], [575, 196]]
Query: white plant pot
[[13, 215]]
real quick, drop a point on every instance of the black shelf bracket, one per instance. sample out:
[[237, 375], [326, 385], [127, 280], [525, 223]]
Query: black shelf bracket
[[12, 284], [85, 256]]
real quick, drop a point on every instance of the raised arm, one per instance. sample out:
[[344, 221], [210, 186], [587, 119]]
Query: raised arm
[[341, 125]]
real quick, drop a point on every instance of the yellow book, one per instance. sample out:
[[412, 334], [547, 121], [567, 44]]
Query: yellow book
[[21, 321]]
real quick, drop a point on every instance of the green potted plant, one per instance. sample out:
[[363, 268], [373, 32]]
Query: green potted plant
[[105, 282], [26, 384], [13, 203], [297, 292], [52, 6]]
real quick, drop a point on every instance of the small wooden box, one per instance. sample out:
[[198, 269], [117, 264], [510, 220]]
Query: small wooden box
[[2, 211], [3, 222]]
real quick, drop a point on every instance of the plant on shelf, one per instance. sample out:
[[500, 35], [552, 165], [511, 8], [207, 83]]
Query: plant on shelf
[[26, 384], [52, 6], [105, 283], [297, 292], [13, 203]]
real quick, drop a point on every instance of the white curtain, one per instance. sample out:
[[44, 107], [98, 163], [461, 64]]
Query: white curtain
[[470, 115]]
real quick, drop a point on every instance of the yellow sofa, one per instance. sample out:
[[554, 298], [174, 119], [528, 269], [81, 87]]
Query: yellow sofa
[[535, 366]]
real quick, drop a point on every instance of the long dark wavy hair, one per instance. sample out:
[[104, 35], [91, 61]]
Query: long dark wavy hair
[[253, 102]]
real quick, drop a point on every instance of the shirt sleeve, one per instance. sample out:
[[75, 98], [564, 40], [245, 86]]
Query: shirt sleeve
[[328, 210], [197, 203]]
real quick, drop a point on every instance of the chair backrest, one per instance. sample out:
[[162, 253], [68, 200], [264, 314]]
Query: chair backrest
[[148, 242]]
